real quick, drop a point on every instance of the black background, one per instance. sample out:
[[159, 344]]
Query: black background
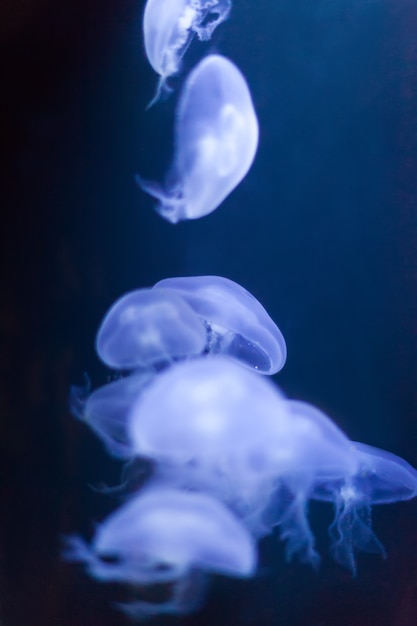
[[322, 231]]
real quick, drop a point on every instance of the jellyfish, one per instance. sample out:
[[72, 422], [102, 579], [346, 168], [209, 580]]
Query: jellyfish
[[106, 409], [215, 142], [381, 478], [147, 328], [209, 425], [312, 446], [214, 426], [237, 323], [169, 27], [164, 536]]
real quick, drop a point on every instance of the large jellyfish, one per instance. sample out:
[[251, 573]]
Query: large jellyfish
[[237, 323], [165, 537], [215, 142], [381, 478], [169, 27], [214, 426], [212, 422], [147, 328]]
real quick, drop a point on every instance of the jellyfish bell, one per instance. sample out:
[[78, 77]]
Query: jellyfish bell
[[169, 27], [216, 137], [381, 478], [238, 324], [210, 412], [209, 425], [106, 410], [163, 535], [147, 328], [320, 446], [384, 475]]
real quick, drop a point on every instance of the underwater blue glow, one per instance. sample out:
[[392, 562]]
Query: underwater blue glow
[[170, 25], [238, 324], [216, 137], [162, 536], [231, 458]]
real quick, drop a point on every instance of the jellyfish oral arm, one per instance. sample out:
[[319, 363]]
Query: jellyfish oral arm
[[169, 204]]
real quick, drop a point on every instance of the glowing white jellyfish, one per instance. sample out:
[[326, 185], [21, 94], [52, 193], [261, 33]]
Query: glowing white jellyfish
[[216, 137], [163, 537], [381, 478], [169, 27], [147, 328], [214, 426], [237, 323], [212, 415]]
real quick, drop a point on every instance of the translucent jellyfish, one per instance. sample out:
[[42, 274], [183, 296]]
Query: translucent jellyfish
[[215, 142], [209, 424], [163, 536], [169, 27], [312, 446], [106, 410], [381, 478], [147, 328], [213, 426], [237, 323]]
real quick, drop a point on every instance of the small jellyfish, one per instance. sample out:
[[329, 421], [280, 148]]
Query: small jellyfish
[[106, 410], [238, 324], [164, 536], [169, 27], [147, 328], [381, 478], [215, 142]]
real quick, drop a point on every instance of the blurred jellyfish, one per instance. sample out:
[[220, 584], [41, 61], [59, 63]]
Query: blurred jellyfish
[[164, 536], [169, 27], [147, 328], [216, 427], [106, 410], [211, 422], [237, 323], [381, 478], [215, 142]]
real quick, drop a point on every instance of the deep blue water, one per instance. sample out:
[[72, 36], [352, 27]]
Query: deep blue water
[[323, 231]]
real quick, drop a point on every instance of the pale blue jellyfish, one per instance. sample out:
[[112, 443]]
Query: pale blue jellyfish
[[210, 425], [311, 445], [170, 25], [216, 137], [216, 427], [106, 410], [237, 323], [164, 536], [381, 478], [147, 328]]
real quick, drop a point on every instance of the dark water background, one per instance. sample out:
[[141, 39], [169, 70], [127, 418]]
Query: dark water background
[[323, 231]]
